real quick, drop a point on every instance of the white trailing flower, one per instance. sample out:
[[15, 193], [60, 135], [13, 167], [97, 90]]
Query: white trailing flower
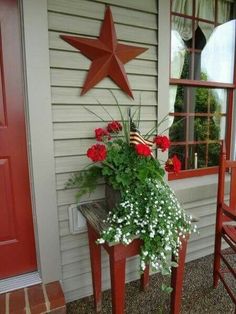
[[154, 214]]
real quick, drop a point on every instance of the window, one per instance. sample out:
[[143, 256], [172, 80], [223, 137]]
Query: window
[[202, 82]]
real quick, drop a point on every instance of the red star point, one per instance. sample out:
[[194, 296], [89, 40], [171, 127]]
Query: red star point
[[107, 55]]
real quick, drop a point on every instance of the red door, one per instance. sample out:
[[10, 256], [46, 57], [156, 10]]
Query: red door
[[17, 247]]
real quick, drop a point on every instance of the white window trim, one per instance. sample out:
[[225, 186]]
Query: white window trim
[[163, 66], [40, 135]]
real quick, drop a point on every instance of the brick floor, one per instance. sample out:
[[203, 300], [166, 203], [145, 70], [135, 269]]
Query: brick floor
[[37, 299]]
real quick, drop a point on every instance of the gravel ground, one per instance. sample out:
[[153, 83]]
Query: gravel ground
[[198, 295]]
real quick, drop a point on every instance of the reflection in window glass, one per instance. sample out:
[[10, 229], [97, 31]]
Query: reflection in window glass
[[183, 6], [205, 9], [177, 131], [198, 124]]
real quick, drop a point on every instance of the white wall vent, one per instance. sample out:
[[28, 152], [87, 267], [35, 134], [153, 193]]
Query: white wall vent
[[77, 222]]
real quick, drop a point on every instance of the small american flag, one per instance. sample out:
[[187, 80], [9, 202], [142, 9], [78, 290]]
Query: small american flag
[[136, 138]]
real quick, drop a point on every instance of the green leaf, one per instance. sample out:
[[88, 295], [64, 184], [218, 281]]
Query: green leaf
[[166, 288]]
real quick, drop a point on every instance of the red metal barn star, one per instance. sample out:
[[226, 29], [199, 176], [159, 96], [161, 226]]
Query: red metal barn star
[[107, 55]]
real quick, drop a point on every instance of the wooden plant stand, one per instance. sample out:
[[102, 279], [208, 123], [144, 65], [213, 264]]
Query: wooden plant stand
[[95, 213]]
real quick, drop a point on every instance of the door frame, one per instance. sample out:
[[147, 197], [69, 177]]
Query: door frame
[[34, 23]]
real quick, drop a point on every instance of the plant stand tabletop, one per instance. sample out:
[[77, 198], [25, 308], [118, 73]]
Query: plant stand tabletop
[[95, 213]]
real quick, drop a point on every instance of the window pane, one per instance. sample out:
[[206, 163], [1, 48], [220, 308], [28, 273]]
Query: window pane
[[199, 130], [177, 131], [196, 156], [197, 99], [213, 154], [206, 9], [184, 7]]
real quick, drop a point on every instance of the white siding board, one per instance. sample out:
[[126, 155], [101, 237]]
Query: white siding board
[[206, 221], [71, 163], [203, 210], [67, 197], [200, 244], [86, 130], [146, 6], [55, 42], [200, 253], [62, 178], [96, 11], [71, 256], [64, 228], [73, 78], [200, 203], [77, 268], [68, 60], [203, 232], [74, 241], [82, 266], [70, 96], [87, 27], [73, 130], [79, 254], [85, 278], [72, 147], [63, 214], [68, 113], [87, 290]]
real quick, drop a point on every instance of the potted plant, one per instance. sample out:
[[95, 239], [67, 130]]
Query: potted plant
[[143, 204]]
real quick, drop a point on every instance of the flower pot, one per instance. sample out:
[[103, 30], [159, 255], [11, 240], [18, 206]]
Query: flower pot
[[113, 197]]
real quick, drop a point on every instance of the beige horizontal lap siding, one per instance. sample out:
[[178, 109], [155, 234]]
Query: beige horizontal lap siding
[[198, 196], [73, 123]]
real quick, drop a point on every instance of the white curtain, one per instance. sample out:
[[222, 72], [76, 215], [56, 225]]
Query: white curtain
[[205, 9], [181, 25], [177, 62]]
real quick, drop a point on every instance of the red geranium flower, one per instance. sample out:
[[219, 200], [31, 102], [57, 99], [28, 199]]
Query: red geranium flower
[[100, 133], [114, 127], [143, 149], [173, 164], [162, 142], [97, 152]]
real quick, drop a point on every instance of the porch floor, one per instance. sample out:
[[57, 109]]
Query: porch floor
[[198, 295]]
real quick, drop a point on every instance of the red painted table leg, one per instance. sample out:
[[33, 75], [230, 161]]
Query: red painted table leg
[[117, 269], [177, 279], [145, 279], [95, 257]]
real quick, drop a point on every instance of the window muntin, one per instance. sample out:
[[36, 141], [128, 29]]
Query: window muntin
[[202, 78]]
